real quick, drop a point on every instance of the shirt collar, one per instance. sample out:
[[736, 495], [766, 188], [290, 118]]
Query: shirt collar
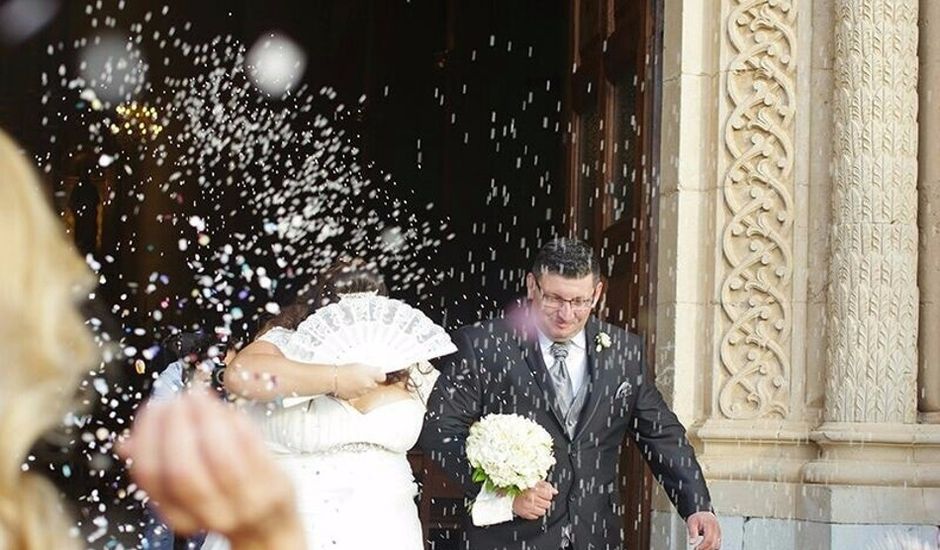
[[578, 340]]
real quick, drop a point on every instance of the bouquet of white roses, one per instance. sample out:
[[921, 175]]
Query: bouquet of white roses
[[509, 454]]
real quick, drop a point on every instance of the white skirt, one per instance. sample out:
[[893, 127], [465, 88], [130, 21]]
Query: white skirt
[[356, 497]]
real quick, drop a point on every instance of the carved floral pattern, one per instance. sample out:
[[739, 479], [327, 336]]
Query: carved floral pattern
[[758, 198]]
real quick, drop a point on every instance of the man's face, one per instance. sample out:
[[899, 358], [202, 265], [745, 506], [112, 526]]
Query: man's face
[[562, 306]]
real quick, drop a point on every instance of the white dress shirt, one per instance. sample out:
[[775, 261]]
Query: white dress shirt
[[575, 363]]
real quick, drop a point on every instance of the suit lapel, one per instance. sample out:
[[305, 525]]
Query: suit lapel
[[598, 365], [533, 358]]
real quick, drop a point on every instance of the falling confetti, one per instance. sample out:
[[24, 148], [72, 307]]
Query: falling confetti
[[257, 196]]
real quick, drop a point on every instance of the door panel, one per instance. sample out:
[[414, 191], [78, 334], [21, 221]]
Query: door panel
[[611, 154]]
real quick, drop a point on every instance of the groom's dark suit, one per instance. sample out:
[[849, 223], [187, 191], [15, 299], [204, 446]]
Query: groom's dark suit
[[500, 370]]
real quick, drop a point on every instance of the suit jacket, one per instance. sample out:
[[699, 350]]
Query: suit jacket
[[499, 369]]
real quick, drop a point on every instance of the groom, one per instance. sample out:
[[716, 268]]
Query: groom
[[586, 383]]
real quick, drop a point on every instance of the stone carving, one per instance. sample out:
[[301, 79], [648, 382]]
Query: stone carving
[[758, 198], [873, 297]]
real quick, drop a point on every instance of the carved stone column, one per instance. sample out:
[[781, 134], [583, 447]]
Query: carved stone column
[[929, 214], [757, 408], [873, 274], [870, 436]]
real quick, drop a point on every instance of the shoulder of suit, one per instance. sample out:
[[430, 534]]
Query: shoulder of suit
[[618, 332], [627, 342]]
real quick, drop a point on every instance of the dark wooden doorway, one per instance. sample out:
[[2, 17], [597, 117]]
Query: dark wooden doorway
[[612, 153]]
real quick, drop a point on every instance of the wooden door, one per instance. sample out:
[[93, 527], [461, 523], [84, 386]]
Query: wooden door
[[611, 159]]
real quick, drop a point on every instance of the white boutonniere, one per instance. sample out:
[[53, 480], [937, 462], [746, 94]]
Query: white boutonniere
[[624, 390], [601, 341]]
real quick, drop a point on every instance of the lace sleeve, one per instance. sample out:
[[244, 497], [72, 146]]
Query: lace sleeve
[[278, 336]]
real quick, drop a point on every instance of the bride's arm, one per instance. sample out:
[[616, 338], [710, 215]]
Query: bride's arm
[[261, 372]]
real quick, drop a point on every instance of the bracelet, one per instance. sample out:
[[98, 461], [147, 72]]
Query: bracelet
[[335, 388]]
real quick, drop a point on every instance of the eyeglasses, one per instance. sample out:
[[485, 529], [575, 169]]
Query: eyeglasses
[[553, 302]]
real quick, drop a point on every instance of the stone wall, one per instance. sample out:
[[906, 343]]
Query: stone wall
[[788, 338]]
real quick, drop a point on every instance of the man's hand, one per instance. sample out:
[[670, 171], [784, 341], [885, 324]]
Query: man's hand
[[533, 503], [354, 381], [704, 531]]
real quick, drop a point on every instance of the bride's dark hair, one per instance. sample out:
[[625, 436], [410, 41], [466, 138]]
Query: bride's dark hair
[[346, 276]]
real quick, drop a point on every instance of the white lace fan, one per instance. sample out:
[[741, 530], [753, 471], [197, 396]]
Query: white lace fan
[[370, 330]]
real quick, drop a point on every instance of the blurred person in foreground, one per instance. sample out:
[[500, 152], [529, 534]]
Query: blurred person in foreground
[[202, 484], [196, 360]]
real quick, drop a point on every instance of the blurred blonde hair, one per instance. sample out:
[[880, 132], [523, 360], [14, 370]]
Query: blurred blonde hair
[[44, 345]]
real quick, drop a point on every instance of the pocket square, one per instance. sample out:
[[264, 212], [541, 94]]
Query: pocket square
[[624, 390]]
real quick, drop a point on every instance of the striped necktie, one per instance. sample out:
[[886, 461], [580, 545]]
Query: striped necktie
[[560, 378]]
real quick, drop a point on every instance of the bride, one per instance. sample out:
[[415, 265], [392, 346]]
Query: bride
[[346, 451]]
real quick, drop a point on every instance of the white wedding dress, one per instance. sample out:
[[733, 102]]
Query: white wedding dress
[[355, 488]]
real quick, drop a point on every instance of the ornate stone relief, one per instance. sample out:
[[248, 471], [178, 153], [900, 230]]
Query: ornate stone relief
[[873, 268], [757, 189]]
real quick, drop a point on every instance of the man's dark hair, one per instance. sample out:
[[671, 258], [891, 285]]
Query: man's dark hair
[[570, 258]]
